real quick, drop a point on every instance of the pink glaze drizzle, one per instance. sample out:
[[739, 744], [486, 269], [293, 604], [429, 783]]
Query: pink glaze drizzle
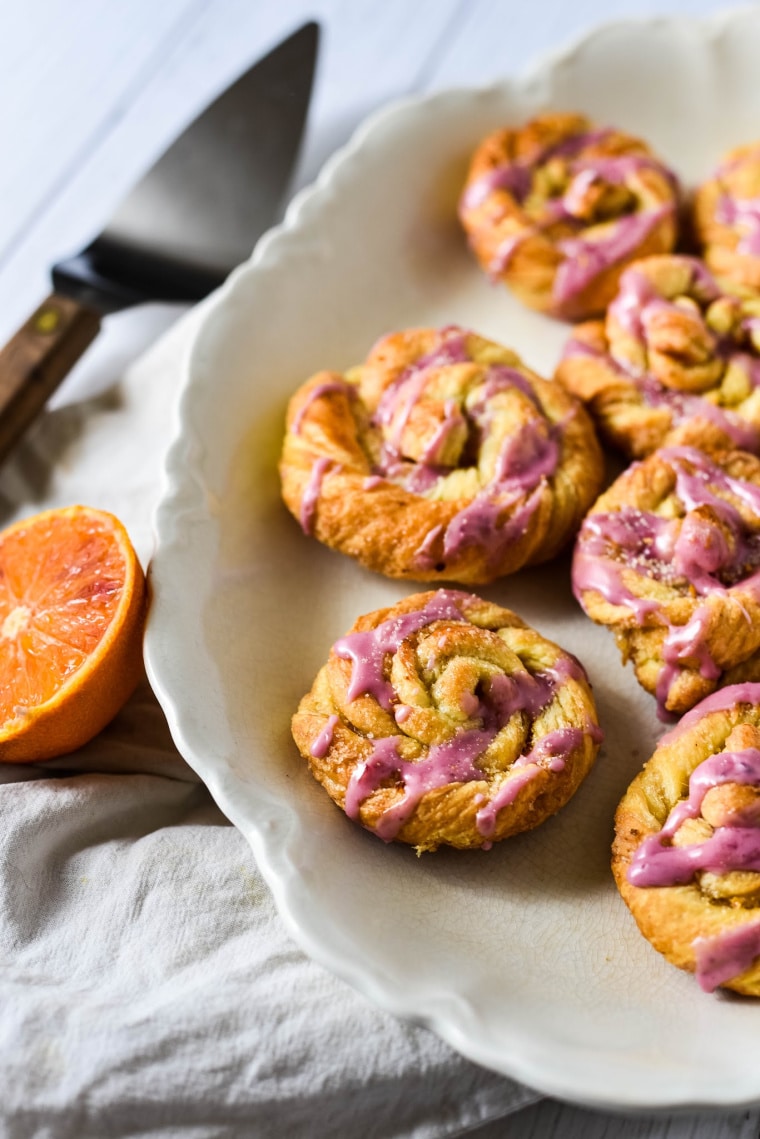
[[720, 701], [726, 955], [329, 387], [367, 650], [742, 214], [586, 258], [323, 742], [312, 491]]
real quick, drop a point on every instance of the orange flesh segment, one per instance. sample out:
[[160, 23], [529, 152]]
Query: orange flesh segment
[[60, 586]]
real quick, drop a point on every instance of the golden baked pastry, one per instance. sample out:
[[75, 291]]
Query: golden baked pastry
[[441, 458], [727, 219], [557, 208], [669, 559], [445, 719], [675, 361], [686, 855]]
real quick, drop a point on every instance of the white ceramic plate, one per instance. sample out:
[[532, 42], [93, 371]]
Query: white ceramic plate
[[523, 958]]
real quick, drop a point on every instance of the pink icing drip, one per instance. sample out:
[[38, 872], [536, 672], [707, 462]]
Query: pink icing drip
[[586, 258], [450, 349], [367, 650], [485, 819], [505, 252], [478, 524], [726, 955], [516, 177], [637, 296], [742, 214], [526, 461], [725, 767], [312, 491], [323, 742], [423, 554], [728, 848], [633, 308], [554, 747], [317, 392], [449, 762], [720, 701], [453, 419]]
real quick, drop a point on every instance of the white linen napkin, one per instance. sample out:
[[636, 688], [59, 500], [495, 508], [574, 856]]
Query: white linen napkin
[[147, 984]]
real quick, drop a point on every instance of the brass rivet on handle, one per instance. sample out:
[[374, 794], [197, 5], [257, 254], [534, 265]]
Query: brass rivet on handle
[[47, 320]]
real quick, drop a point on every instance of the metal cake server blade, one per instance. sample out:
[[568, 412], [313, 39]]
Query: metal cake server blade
[[194, 216]]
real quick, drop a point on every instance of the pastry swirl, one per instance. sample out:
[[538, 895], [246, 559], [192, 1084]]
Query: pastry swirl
[[727, 219], [686, 855], [675, 361], [557, 208], [445, 719], [442, 457], [669, 559]]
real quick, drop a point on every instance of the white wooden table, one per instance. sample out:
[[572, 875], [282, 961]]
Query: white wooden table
[[91, 91]]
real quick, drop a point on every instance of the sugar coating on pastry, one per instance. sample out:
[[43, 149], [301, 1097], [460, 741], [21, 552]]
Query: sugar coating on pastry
[[686, 855], [441, 458], [675, 361], [556, 209], [669, 559], [446, 720], [726, 214]]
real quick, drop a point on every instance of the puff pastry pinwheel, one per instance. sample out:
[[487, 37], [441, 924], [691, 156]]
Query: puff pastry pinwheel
[[444, 719], [669, 559], [686, 855], [726, 215], [441, 458], [557, 208], [675, 361]]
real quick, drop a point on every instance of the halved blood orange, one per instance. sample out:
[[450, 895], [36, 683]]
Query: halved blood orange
[[72, 615]]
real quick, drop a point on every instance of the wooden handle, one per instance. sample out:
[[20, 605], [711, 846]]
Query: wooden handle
[[38, 357]]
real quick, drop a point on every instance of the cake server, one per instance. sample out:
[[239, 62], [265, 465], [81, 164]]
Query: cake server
[[193, 217]]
